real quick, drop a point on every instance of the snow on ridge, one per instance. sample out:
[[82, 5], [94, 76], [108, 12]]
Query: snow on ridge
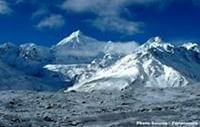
[[191, 46]]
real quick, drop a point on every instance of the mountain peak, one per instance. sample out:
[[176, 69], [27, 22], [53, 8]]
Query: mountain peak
[[156, 39], [76, 33], [7, 44], [154, 42], [191, 46], [73, 36], [28, 45], [157, 43]]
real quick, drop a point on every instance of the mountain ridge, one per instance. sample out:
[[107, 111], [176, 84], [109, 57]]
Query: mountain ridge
[[87, 64], [31, 59], [153, 64]]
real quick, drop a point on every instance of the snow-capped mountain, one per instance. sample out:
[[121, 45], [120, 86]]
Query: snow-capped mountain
[[78, 48], [78, 56], [79, 72], [153, 64]]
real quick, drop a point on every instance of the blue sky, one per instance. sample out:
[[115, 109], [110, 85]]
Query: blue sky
[[46, 22]]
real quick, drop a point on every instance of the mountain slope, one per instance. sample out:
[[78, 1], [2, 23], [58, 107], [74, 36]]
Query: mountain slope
[[154, 64]]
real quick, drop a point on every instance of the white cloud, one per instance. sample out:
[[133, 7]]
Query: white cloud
[[4, 8], [108, 13], [102, 6], [51, 22], [117, 24], [40, 12], [121, 47]]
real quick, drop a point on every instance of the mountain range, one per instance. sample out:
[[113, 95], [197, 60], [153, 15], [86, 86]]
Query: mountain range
[[82, 63], [31, 67]]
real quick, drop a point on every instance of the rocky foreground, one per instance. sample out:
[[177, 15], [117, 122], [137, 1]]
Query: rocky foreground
[[100, 108]]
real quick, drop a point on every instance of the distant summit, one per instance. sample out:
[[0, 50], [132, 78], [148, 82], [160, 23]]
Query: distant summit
[[73, 37]]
